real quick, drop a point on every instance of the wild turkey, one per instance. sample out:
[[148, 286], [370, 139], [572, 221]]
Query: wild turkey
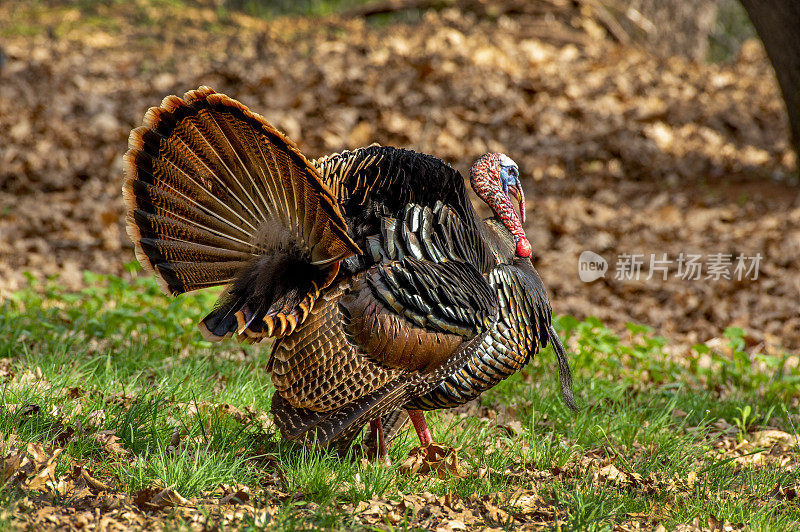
[[381, 287]]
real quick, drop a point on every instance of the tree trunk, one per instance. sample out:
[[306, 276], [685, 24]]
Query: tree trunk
[[778, 25]]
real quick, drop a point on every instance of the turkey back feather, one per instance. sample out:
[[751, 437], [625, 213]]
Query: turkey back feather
[[379, 181], [395, 176], [216, 195]]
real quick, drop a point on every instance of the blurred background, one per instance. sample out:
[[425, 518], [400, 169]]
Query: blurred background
[[643, 127]]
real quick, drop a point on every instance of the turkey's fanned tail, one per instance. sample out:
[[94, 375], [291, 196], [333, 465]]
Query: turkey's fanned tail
[[216, 195]]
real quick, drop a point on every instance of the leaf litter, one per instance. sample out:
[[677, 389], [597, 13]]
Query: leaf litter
[[31, 468]]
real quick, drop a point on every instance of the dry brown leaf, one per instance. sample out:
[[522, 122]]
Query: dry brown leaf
[[512, 428], [168, 497], [110, 442], [158, 499], [525, 502], [393, 516], [691, 480], [613, 474], [246, 415], [451, 525], [143, 497], [433, 457], [75, 392], [96, 418], [494, 515], [715, 524], [11, 464], [237, 497], [768, 438], [677, 484], [68, 487], [6, 374], [786, 493], [38, 454], [45, 467], [93, 484]]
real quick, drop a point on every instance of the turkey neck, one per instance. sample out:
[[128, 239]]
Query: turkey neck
[[504, 210], [487, 188]]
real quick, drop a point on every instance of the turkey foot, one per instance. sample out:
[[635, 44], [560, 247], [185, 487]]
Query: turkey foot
[[432, 457], [429, 456]]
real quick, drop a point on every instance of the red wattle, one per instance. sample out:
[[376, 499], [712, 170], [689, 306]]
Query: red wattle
[[524, 248]]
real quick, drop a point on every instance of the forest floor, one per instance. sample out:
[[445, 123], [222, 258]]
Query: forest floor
[[116, 415], [623, 153]]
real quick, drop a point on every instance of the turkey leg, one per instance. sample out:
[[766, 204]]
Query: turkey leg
[[418, 419], [376, 426]]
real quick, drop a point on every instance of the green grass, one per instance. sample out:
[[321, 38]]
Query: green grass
[[308, 8], [731, 28], [126, 20], [124, 349]]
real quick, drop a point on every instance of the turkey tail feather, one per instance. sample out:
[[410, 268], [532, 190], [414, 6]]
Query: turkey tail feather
[[211, 187], [564, 373]]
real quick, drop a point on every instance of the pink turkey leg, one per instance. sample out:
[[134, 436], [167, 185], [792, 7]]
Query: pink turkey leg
[[418, 419]]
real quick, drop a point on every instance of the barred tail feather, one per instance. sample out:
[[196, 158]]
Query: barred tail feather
[[211, 189]]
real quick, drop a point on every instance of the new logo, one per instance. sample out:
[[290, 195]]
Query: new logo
[[591, 266]]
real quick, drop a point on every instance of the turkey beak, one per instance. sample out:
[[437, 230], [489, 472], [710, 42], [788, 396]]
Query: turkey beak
[[519, 195]]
